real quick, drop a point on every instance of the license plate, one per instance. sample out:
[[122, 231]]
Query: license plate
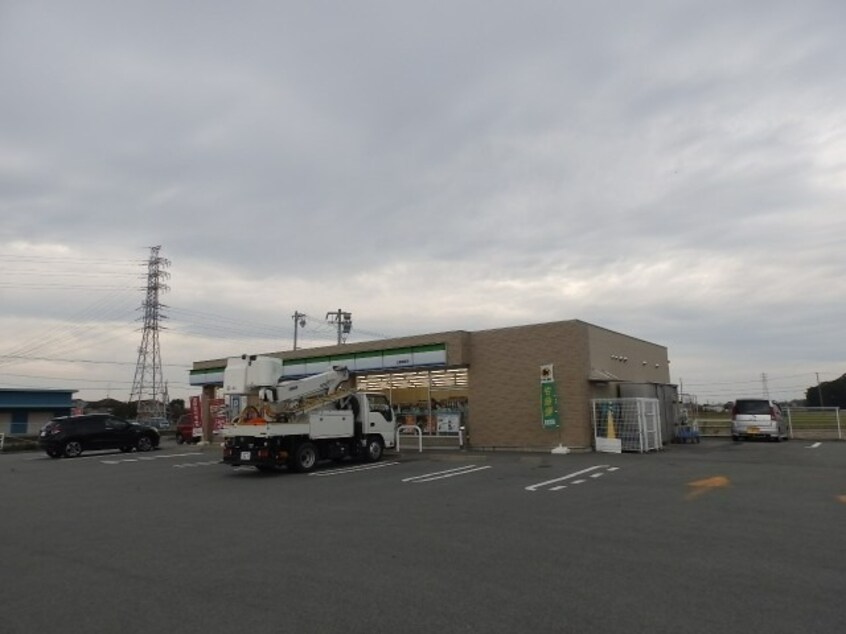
[[245, 455], [752, 430]]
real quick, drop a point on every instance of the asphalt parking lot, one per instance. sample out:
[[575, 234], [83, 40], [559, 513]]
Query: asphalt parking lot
[[721, 536]]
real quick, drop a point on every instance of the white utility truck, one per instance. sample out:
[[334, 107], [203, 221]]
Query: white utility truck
[[297, 422]]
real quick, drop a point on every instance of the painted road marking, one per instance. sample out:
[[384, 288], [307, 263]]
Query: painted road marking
[[334, 472], [569, 476], [148, 458], [196, 464], [814, 446], [448, 473], [597, 475], [708, 484]]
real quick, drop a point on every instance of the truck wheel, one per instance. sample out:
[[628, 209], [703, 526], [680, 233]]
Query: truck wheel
[[374, 449], [305, 457]]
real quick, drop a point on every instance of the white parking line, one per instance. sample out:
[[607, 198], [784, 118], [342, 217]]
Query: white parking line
[[439, 474], [195, 464], [449, 473], [570, 476], [334, 472], [150, 458], [814, 446]]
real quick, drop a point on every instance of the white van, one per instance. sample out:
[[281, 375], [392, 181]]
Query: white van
[[757, 417]]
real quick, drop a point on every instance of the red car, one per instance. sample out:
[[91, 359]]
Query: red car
[[186, 432]]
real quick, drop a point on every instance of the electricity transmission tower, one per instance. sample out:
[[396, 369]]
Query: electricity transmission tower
[[148, 388]]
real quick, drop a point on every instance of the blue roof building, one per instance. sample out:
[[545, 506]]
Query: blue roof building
[[25, 411]]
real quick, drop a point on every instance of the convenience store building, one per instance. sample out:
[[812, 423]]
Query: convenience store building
[[521, 388]]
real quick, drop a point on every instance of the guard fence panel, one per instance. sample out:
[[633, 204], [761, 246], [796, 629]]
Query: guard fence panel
[[627, 424], [804, 423], [815, 422]]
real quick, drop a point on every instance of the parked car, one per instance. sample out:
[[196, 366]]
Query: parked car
[[158, 423], [757, 417], [186, 432], [69, 436]]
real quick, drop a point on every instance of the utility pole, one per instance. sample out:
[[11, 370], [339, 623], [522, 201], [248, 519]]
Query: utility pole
[[819, 389], [343, 321], [299, 322], [148, 388], [765, 385]]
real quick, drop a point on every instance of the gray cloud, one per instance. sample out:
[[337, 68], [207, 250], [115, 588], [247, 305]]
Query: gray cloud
[[673, 170]]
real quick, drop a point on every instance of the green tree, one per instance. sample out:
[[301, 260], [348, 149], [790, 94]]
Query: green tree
[[176, 408], [127, 411], [833, 393]]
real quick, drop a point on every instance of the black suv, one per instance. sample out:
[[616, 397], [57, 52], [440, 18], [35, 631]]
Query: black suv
[[71, 435]]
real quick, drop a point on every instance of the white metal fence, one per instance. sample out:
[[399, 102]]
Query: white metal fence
[[814, 422], [804, 423], [626, 424]]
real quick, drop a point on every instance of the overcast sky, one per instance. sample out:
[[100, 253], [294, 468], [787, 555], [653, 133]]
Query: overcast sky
[[673, 170]]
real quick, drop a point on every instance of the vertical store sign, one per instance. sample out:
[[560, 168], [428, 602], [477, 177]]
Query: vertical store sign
[[217, 409], [196, 414], [549, 398]]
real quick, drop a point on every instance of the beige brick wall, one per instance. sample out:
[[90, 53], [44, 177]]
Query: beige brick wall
[[505, 386], [626, 357]]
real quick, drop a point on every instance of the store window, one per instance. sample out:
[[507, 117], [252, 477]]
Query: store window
[[433, 400], [20, 423]]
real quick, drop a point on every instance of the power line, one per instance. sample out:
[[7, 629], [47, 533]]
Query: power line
[[85, 380], [770, 377], [51, 259], [79, 328], [91, 361]]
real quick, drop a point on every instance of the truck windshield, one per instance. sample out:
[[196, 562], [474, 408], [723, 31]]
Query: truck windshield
[[379, 403]]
